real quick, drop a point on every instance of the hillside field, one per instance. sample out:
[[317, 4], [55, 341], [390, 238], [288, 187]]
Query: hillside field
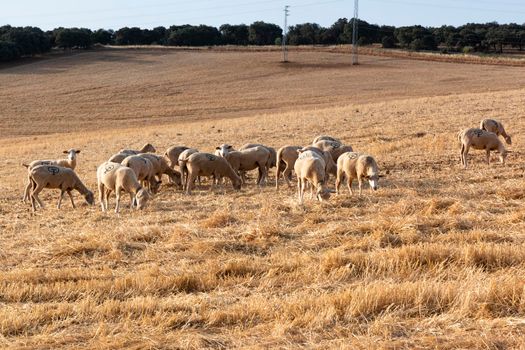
[[434, 259]]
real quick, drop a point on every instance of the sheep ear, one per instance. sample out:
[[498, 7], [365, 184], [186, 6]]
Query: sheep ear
[[77, 151], [230, 147], [65, 152], [381, 175], [217, 148]]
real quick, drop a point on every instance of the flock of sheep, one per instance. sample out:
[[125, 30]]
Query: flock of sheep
[[139, 172]]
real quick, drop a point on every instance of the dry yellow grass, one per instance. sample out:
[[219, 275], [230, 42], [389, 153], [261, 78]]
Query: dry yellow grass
[[434, 259]]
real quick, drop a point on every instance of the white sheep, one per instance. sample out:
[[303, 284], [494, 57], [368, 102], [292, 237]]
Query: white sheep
[[495, 127], [147, 148], [117, 177], [69, 162], [206, 164], [480, 139], [173, 153], [144, 171], [273, 154], [285, 161], [56, 177], [246, 160], [310, 168], [331, 166], [181, 161], [354, 165]]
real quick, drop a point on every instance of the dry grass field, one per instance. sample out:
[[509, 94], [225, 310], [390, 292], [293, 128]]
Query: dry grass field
[[434, 259]]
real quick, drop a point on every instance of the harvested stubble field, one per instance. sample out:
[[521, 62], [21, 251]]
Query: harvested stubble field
[[434, 259]]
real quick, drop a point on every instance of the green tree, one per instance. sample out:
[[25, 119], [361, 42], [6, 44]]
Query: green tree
[[234, 34], [261, 33]]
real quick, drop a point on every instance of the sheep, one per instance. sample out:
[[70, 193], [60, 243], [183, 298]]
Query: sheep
[[161, 167], [118, 157], [183, 158], [173, 154], [54, 176], [69, 162], [331, 166], [310, 168], [206, 164], [147, 148], [355, 165], [285, 161], [273, 154], [246, 160], [326, 138], [495, 127], [480, 139], [144, 171], [117, 177]]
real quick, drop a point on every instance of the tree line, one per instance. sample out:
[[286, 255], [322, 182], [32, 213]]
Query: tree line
[[16, 42]]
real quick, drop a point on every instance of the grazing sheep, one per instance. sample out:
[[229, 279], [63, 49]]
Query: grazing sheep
[[53, 176], [480, 139], [160, 166], [117, 177], [310, 168], [206, 164], [286, 157], [326, 138], [144, 171], [183, 158], [495, 127], [273, 154], [69, 162], [173, 154], [331, 166], [355, 165], [246, 160], [147, 148]]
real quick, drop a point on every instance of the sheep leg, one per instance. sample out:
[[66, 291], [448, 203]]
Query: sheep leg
[[360, 180], [287, 173], [36, 189], [62, 192], [26, 192], [117, 205], [131, 200], [339, 178], [303, 187], [71, 198], [465, 150], [299, 189], [108, 192], [101, 195], [488, 156], [190, 183]]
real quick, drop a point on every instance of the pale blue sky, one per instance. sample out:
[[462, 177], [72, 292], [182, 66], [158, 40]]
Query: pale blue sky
[[115, 14]]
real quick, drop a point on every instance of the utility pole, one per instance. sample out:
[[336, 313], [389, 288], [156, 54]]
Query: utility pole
[[285, 32], [354, 32]]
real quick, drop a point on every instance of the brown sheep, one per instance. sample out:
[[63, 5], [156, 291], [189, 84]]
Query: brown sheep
[[52, 176], [117, 177], [310, 168], [206, 164], [246, 160], [69, 162], [286, 157], [354, 165], [480, 139], [495, 127]]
